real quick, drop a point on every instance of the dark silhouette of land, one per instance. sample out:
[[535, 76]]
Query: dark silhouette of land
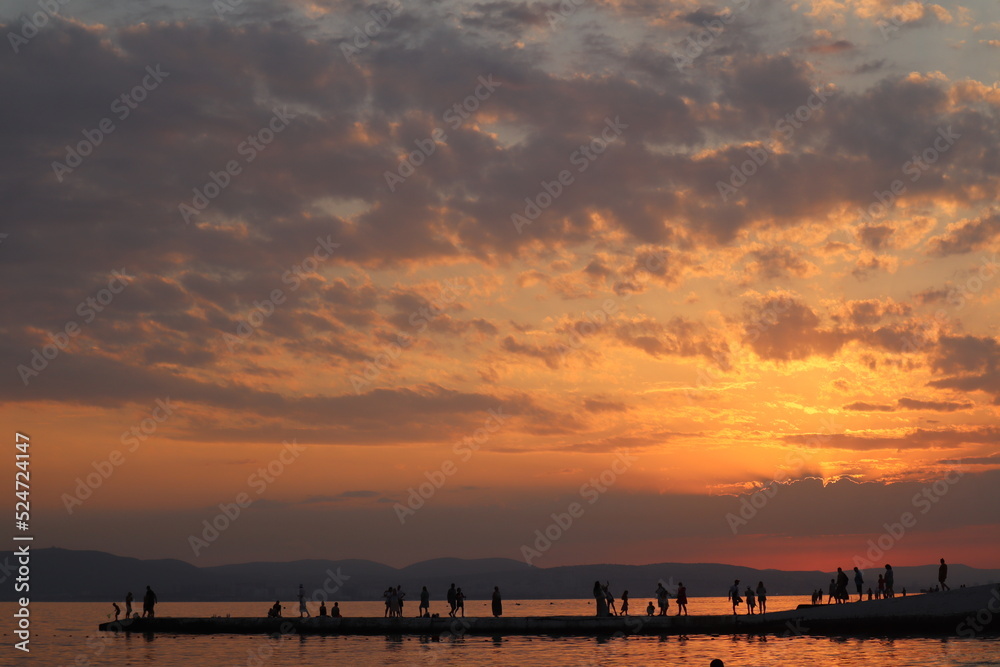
[[68, 575]]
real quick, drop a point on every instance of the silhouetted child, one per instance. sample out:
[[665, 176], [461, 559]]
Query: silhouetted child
[[460, 602], [650, 609], [275, 610], [322, 608], [625, 603], [335, 612], [751, 601], [118, 609]]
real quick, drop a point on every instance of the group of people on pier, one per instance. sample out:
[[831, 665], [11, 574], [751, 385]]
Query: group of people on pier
[[605, 600], [753, 597]]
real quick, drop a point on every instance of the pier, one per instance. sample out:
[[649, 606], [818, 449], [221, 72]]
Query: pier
[[966, 612]]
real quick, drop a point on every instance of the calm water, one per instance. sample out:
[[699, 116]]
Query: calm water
[[66, 634]]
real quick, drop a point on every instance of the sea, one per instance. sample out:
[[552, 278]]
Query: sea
[[65, 634]]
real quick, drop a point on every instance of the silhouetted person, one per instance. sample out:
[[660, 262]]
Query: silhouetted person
[[682, 599], [610, 598], [734, 595], [832, 591], [762, 596], [880, 590], [303, 609], [275, 610], [600, 600], [751, 601], [335, 612], [148, 603], [859, 581], [904, 591], [118, 609], [322, 608], [942, 575], [662, 598], [625, 603], [400, 595], [497, 602], [717, 663], [650, 609], [889, 581], [842, 581], [460, 602], [128, 605], [870, 594], [452, 600], [425, 602]]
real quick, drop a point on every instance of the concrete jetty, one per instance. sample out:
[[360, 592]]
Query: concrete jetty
[[966, 612]]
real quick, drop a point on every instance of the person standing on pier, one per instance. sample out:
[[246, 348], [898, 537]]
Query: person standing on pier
[[400, 595], [452, 600], [610, 598], [128, 604], [682, 599], [118, 610], [762, 596], [842, 585], [303, 609], [425, 603], [460, 602], [889, 581], [734, 595], [662, 598], [832, 591], [751, 601], [497, 602], [625, 603], [942, 575], [859, 581], [148, 602]]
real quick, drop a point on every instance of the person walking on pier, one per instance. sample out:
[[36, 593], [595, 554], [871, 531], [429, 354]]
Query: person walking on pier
[[880, 589], [497, 602], [734, 595], [460, 602], [889, 581], [425, 603], [118, 610], [610, 598], [625, 603], [832, 591], [452, 600], [303, 609], [942, 575], [859, 581], [762, 596], [148, 602], [128, 604]]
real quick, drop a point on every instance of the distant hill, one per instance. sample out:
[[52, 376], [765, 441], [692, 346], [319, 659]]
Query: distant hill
[[67, 575]]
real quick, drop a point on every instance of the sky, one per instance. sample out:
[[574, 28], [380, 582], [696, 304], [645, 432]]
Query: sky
[[565, 282]]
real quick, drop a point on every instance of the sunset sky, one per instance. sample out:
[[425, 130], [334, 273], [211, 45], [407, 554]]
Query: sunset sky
[[698, 249]]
